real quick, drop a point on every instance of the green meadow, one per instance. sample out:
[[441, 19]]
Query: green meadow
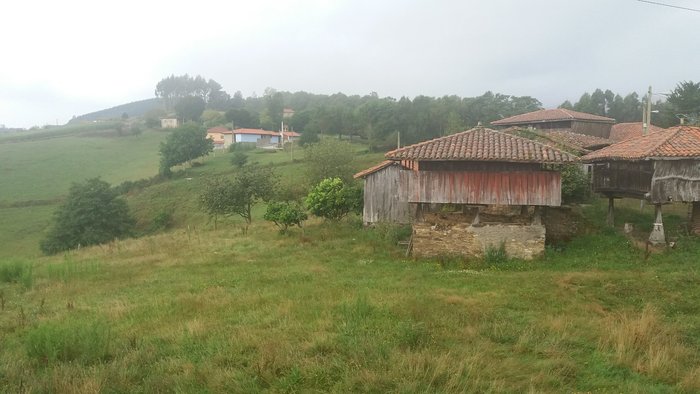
[[335, 308]]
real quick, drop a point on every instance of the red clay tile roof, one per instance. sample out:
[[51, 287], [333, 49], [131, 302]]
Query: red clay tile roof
[[219, 129], [675, 143], [575, 139], [291, 134], [371, 170], [482, 144], [551, 115], [255, 131], [623, 131]]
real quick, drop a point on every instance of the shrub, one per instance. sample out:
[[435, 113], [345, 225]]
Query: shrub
[[16, 272], [72, 341], [575, 183], [333, 199], [92, 214], [241, 147], [496, 255], [285, 215], [239, 159], [329, 158], [162, 220], [308, 138]]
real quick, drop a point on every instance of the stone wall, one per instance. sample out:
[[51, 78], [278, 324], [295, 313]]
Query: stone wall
[[462, 239]]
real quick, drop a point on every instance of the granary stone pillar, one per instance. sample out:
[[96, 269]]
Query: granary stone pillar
[[657, 235], [610, 220]]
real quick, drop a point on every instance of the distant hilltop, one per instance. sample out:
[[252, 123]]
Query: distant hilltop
[[136, 108]]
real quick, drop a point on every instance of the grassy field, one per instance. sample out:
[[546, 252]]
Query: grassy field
[[43, 169], [339, 308]]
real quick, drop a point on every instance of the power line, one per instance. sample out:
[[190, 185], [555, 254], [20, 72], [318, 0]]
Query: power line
[[669, 5]]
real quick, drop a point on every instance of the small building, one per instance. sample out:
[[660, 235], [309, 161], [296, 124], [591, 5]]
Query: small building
[[660, 167], [561, 119], [475, 173], [221, 136], [624, 131], [168, 123], [287, 113], [264, 138]]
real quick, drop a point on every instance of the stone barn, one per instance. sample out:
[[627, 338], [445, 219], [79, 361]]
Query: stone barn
[[660, 167], [468, 192]]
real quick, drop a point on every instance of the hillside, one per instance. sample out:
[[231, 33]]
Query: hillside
[[133, 109], [39, 166], [336, 308]]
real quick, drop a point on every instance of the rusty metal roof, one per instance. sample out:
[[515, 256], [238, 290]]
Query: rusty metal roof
[[482, 144], [681, 142], [551, 115], [623, 131]]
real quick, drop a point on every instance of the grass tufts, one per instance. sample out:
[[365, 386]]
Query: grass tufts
[[69, 341]]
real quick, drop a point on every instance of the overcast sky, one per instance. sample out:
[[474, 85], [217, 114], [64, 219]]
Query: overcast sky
[[65, 58]]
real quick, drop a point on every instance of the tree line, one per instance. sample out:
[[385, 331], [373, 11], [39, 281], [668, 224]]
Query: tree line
[[380, 120]]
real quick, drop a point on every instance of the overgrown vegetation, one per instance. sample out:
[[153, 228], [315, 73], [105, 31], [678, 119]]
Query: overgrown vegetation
[[92, 214], [333, 199]]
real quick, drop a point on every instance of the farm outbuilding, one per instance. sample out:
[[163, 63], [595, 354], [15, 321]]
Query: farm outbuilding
[[475, 171], [660, 167], [561, 119]]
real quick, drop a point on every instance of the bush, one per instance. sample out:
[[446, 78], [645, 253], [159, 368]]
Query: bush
[[183, 145], [333, 199], [308, 138], [241, 147], [494, 255], [162, 220], [92, 214], [16, 272], [575, 183], [285, 215], [329, 158], [73, 341], [239, 159]]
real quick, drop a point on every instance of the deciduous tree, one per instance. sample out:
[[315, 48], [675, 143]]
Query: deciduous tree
[[183, 145], [92, 214]]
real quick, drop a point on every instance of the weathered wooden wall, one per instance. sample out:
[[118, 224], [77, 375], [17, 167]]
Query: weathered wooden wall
[[675, 180], [591, 128], [503, 188], [385, 196], [623, 178]]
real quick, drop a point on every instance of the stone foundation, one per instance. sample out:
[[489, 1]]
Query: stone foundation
[[462, 239]]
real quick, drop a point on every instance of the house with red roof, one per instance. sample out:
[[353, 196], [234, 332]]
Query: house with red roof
[[474, 170], [223, 137], [561, 119]]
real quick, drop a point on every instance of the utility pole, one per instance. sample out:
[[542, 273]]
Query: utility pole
[[646, 118]]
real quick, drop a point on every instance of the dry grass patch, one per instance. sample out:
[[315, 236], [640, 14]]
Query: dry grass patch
[[648, 345]]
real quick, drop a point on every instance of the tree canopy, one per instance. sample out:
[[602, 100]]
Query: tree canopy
[[92, 214], [183, 145], [329, 158]]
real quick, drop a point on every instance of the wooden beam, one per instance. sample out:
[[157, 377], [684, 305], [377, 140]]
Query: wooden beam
[[611, 212]]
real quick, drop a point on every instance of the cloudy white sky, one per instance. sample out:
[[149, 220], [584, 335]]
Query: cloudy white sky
[[65, 58]]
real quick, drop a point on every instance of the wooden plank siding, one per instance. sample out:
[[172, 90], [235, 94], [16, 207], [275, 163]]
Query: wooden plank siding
[[623, 178], [385, 196], [498, 188], [675, 180]]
